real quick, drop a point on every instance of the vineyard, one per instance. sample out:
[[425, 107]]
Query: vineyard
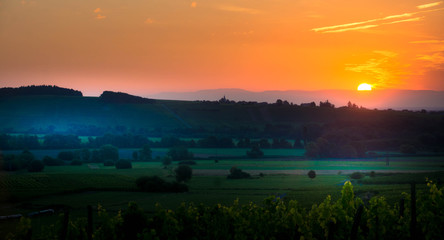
[[346, 218]]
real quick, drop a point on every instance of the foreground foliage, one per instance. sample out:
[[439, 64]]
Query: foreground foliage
[[274, 219]]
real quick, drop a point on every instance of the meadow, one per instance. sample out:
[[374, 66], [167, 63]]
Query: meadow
[[75, 187]]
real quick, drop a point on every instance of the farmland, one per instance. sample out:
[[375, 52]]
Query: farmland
[[78, 186]]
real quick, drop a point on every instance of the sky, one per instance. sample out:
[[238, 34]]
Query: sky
[[150, 46]]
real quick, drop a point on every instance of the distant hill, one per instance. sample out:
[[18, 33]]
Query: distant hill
[[39, 90], [380, 99], [119, 97], [122, 114]]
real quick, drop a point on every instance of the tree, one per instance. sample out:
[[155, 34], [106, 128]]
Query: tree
[[35, 166], [237, 173], [180, 153], [109, 152], [166, 161], [311, 174], [145, 154], [312, 150], [183, 173], [255, 152]]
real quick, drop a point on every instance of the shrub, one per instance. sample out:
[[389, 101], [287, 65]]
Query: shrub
[[183, 173], [35, 166], [237, 173], [356, 175], [372, 174], [134, 221], [156, 184], [108, 163], [311, 174], [123, 164], [50, 161]]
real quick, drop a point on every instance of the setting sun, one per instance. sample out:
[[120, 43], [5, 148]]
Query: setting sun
[[364, 87]]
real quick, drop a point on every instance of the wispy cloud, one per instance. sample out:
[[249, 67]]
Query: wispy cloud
[[375, 22], [99, 16], [428, 41], [230, 8], [429, 5], [377, 67], [433, 61]]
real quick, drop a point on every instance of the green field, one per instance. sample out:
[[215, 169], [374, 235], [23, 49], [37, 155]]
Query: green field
[[75, 187], [78, 186]]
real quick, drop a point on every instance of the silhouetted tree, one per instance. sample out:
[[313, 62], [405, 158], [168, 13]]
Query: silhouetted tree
[[311, 174], [35, 166], [183, 173], [109, 152], [145, 153], [255, 152]]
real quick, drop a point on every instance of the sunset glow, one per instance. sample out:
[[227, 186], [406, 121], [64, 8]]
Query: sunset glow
[[147, 47], [364, 87]]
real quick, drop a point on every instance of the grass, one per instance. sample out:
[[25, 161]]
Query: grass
[[78, 186]]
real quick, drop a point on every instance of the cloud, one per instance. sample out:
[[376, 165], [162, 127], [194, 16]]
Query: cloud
[[193, 4], [429, 5], [351, 29], [428, 41], [433, 61], [149, 21], [230, 8], [100, 16], [379, 68], [97, 10], [374, 22]]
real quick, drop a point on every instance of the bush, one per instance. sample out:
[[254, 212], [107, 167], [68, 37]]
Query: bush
[[372, 174], [183, 173], [311, 174], [236, 173], [356, 175], [50, 161], [123, 164], [108, 163], [35, 166], [156, 184]]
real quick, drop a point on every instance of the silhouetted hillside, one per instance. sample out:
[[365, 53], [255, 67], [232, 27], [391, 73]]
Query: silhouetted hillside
[[39, 90], [343, 131], [119, 97]]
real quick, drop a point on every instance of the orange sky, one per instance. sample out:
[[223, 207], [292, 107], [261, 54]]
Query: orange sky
[[149, 46]]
